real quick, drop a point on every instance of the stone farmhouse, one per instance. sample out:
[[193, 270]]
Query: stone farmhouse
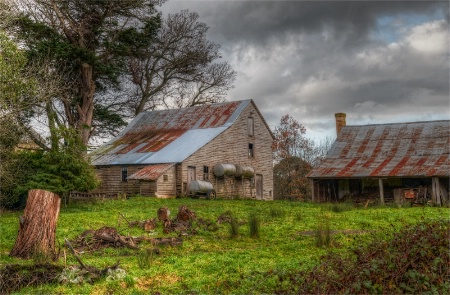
[[390, 162], [161, 153]]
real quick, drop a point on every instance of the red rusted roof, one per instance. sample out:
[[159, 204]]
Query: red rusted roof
[[168, 136], [389, 150], [151, 172], [159, 128]]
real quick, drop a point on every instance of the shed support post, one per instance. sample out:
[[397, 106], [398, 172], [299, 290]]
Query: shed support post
[[380, 184], [311, 183], [435, 191]]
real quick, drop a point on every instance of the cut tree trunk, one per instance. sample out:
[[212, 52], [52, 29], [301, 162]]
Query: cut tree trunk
[[37, 230]]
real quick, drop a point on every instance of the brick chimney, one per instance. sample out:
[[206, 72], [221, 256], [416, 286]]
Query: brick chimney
[[340, 121]]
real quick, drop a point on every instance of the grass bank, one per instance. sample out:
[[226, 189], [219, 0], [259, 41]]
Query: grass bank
[[214, 261]]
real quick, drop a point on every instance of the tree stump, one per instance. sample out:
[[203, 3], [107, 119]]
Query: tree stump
[[37, 231], [163, 214]]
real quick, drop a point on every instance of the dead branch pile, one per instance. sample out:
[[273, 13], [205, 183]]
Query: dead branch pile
[[182, 224], [147, 225], [224, 218], [14, 276], [102, 238]]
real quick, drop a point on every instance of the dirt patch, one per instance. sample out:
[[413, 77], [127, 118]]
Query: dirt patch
[[335, 232], [14, 276]]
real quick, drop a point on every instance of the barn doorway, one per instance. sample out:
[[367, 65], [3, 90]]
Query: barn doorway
[[190, 177], [259, 186]]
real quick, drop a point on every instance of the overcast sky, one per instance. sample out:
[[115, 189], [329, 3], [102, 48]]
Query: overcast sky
[[376, 61]]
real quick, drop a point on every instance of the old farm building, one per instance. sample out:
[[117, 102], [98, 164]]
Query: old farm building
[[161, 153], [391, 162]]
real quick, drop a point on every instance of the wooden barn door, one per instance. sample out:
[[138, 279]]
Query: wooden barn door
[[259, 186], [190, 177]]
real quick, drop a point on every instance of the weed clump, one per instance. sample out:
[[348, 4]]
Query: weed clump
[[277, 212], [146, 258], [341, 207], [254, 225], [322, 233], [234, 226]]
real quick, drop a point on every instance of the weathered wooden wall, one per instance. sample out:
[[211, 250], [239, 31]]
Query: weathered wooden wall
[[166, 187], [111, 179], [231, 147]]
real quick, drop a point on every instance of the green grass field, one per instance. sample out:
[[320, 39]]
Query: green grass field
[[213, 261]]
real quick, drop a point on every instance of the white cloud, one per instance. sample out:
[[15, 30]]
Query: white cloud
[[430, 38]]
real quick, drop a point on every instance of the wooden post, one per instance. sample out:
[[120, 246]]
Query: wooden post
[[311, 183], [380, 184], [37, 231], [435, 191]]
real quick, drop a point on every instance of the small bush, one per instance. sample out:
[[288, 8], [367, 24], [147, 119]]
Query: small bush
[[254, 225]]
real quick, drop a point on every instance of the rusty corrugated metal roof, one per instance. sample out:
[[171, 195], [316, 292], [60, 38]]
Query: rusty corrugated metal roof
[[151, 172], [168, 136], [389, 150]]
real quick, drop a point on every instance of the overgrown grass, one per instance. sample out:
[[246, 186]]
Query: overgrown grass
[[211, 261]]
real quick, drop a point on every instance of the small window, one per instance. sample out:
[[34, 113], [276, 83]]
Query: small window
[[124, 174], [205, 173], [250, 150], [250, 126], [165, 177]]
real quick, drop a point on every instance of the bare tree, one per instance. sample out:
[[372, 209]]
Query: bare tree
[[178, 70], [290, 140]]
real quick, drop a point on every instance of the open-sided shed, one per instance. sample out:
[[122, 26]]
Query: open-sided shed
[[398, 161]]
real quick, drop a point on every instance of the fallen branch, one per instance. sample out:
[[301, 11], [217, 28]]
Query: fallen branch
[[95, 272], [69, 245]]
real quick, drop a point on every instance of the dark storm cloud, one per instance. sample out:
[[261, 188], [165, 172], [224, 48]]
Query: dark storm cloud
[[380, 61], [259, 21]]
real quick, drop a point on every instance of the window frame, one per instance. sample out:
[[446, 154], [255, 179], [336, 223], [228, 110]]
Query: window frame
[[124, 174], [250, 126], [205, 172], [251, 150]]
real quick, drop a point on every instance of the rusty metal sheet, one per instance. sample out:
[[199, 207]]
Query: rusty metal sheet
[[151, 172], [168, 135], [388, 150]]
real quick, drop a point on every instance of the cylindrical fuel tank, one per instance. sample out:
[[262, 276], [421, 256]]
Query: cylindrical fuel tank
[[200, 186], [224, 170], [244, 171]]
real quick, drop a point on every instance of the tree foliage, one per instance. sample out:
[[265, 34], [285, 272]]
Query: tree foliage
[[59, 171], [289, 177], [295, 155], [90, 41]]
